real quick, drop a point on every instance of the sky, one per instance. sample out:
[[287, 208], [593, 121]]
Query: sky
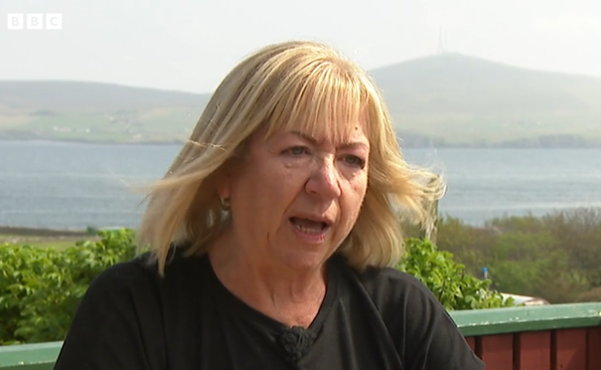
[[191, 45]]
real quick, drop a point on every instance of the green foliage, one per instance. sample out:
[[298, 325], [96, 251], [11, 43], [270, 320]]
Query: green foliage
[[40, 288], [532, 264], [555, 257], [593, 295], [448, 280], [578, 232], [462, 240]]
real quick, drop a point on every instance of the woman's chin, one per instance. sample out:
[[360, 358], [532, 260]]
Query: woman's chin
[[300, 260]]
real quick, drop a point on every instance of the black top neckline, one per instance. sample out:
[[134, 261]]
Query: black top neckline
[[268, 322]]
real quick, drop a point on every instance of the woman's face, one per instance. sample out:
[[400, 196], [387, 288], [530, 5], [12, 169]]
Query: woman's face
[[294, 198]]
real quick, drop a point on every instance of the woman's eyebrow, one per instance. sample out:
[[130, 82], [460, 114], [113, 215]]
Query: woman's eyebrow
[[361, 144], [355, 145], [304, 137]]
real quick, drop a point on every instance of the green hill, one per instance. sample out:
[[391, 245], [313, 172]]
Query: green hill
[[455, 99], [442, 100], [83, 111]]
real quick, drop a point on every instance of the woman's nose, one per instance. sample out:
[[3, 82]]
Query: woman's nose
[[324, 179]]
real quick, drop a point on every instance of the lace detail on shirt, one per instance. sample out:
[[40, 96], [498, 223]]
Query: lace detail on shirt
[[296, 341]]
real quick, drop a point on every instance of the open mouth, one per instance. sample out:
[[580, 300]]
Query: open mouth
[[309, 226]]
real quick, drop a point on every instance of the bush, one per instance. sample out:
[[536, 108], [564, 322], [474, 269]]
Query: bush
[[448, 280], [579, 233], [593, 295], [40, 288], [555, 257]]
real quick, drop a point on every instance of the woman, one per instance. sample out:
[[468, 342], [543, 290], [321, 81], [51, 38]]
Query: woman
[[270, 238]]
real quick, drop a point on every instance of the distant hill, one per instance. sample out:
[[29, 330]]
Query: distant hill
[[454, 83], [88, 96], [84, 111], [441, 100], [455, 99]]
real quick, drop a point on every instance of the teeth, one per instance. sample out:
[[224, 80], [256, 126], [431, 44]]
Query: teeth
[[308, 230]]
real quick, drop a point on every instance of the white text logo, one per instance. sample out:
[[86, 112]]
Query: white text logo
[[35, 21]]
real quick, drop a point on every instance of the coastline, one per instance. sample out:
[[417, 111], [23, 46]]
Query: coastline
[[45, 232], [94, 142], [521, 144]]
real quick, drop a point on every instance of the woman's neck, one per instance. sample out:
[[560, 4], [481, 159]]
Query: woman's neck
[[290, 297]]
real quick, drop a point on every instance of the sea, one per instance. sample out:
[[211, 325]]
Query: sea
[[64, 185]]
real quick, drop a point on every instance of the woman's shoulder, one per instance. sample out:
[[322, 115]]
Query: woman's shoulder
[[126, 274], [426, 335], [392, 290], [388, 283], [141, 274], [125, 305]]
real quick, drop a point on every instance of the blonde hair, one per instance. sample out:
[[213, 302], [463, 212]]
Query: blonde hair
[[282, 85]]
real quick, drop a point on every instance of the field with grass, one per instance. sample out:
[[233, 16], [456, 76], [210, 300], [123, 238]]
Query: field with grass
[[162, 125]]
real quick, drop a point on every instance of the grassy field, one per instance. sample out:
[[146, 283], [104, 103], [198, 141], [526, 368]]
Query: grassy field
[[155, 125]]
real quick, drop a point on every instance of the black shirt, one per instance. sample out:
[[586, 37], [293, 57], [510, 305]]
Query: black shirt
[[132, 319]]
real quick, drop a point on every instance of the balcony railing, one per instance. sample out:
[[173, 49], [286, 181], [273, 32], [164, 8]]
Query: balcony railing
[[554, 337]]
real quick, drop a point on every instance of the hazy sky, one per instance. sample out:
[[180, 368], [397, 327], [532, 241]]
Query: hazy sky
[[190, 45]]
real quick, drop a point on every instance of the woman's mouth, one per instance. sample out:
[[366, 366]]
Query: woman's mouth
[[312, 231]]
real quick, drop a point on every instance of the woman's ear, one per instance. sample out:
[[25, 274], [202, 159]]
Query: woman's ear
[[228, 172], [224, 180]]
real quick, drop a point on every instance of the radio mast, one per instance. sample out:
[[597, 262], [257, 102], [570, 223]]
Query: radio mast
[[442, 41]]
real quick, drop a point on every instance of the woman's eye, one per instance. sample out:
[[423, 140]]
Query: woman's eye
[[297, 150], [353, 160]]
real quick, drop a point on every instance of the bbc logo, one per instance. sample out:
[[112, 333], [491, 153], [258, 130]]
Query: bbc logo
[[31, 21]]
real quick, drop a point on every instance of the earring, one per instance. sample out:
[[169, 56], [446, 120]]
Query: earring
[[225, 203]]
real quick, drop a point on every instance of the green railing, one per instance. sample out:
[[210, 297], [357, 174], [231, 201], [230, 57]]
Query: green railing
[[521, 319], [40, 356], [550, 337], [476, 323]]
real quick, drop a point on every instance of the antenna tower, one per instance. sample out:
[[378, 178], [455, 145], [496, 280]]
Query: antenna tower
[[442, 41]]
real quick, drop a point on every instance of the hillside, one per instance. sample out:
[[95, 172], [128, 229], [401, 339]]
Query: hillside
[[463, 100], [87, 96], [439, 100], [83, 111]]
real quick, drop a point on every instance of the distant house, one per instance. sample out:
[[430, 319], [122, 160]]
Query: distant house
[[522, 300]]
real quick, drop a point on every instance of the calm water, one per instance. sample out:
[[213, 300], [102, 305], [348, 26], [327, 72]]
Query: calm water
[[68, 185]]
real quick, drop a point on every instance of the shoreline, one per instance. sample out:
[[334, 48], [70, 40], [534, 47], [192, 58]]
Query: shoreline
[[513, 146], [24, 231]]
